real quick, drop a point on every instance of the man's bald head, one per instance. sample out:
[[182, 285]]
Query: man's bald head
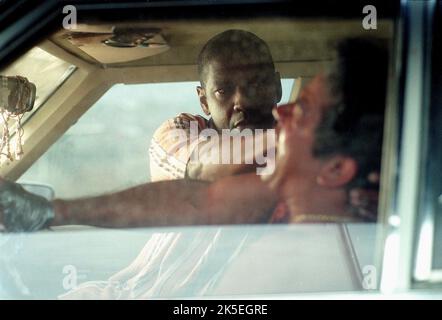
[[236, 49]]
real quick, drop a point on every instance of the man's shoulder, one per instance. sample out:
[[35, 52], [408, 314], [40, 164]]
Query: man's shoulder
[[184, 121]]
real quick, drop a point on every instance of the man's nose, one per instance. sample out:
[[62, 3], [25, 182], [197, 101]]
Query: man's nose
[[244, 100]]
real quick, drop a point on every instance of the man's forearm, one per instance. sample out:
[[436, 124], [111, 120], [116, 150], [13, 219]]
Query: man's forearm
[[230, 155], [214, 172], [159, 203], [178, 202]]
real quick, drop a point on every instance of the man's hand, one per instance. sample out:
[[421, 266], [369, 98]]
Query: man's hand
[[231, 155], [21, 210]]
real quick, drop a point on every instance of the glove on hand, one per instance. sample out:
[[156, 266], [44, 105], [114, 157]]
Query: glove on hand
[[22, 210]]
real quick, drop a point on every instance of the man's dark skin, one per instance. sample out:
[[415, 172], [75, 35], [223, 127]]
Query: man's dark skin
[[240, 95], [239, 88]]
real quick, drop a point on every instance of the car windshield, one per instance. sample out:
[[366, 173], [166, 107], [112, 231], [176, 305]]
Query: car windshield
[[128, 170]]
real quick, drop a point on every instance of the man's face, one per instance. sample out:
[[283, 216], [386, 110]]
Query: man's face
[[295, 165], [240, 95]]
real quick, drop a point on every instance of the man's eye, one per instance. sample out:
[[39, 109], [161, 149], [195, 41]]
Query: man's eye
[[255, 86]]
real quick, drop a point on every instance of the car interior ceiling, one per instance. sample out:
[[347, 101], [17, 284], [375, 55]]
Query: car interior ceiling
[[291, 40]]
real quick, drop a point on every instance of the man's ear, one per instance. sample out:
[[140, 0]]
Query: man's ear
[[337, 172], [278, 86], [203, 99]]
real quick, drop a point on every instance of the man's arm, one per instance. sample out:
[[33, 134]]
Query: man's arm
[[230, 155], [179, 202]]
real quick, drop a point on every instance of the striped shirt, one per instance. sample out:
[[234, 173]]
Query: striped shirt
[[169, 152]]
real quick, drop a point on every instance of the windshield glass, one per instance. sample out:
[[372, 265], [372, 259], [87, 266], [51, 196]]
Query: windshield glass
[[113, 134], [199, 157]]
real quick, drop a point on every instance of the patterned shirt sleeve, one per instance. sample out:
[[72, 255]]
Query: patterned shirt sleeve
[[172, 146]]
